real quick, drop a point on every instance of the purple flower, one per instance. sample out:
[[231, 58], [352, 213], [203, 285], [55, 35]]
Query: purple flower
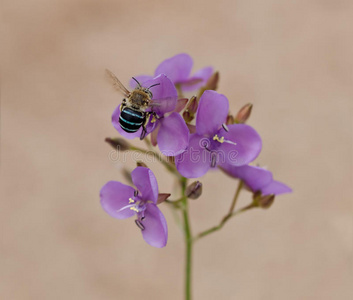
[[122, 201], [178, 69], [173, 133], [214, 142], [257, 179]]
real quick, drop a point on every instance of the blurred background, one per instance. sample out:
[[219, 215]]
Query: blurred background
[[291, 59]]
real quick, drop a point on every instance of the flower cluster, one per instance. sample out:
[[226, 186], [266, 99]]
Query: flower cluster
[[199, 134]]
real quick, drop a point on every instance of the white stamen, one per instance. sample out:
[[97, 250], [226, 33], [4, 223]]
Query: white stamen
[[125, 207]]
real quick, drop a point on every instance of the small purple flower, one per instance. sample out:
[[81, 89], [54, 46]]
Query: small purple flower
[[173, 133], [122, 201], [257, 179], [214, 142], [178, 69]]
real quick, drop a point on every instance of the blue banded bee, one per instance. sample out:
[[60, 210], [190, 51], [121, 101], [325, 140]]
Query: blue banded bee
[[133, 114]]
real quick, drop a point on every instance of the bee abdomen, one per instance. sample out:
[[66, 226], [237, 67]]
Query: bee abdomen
[[131, 120]]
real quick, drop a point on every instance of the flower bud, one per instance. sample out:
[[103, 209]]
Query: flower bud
[[212, 83], [192, 105], [190, 110], [194, 190], [118, 144], [187, 116], [243, 114], [266, 201], [230, 120], [141, 164]]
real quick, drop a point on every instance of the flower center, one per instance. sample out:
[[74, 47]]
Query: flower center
[[137, 206], [222, 140], [216, 138]]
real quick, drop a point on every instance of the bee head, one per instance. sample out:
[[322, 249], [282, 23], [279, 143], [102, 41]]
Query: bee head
[[147, 90]]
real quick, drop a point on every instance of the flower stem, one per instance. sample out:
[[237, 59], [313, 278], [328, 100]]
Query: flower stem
[[169, 166], [232, 206], [230, 214], [223, 221], [188, 240]]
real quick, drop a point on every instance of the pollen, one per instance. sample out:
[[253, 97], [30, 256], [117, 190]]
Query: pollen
[[131, 200], [216, 138], [153, 119], [134, 209]]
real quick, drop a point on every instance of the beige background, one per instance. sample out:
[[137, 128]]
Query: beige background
[[292, 59]]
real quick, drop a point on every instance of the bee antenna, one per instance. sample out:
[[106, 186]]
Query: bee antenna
[[136, 81], [154, 85]]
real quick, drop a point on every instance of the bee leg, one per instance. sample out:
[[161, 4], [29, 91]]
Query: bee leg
[[143, 133], [155, 115]]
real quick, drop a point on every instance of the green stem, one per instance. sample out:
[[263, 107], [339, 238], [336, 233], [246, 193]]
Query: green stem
[[170, 167], [223, 221], [230, 214], [240, 186], [188, 241]]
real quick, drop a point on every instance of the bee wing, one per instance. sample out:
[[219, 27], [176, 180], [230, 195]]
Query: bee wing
[[116, 83], [163, 105]]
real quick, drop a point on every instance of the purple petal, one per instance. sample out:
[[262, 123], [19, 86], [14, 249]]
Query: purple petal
[[141, 79], [177, 68], [181, 103], [196, 160], [173, 135], [165, 95], [156, 230], [154, 134], [276, 188], [198, 80], [212, 112], [146, 183], [248, 144], [254, 177], [116, 124], [115, 196]]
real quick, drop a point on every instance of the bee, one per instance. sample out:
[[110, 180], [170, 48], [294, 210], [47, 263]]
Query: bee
[[133, 114]]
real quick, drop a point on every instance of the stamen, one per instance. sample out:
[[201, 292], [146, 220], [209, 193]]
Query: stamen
[[205, 143], [134, 209], [222, 140], [230, 142], [131, 200], [225, 127], [125, 207], [213, 159], [139, 224], [216, 138]]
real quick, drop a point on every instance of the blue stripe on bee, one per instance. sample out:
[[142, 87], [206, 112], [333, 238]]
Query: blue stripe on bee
[[129, 112], [128, 122], [127, 129]]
